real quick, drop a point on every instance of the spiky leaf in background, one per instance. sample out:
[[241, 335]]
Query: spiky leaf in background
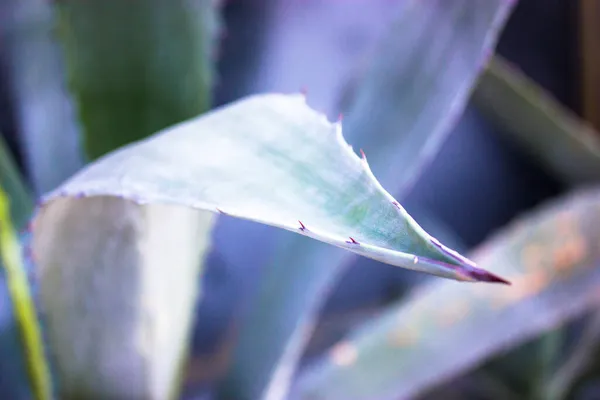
[[272, 160], [43, 113], [443, 330], [567, 146], [136, 67], [412, 93]]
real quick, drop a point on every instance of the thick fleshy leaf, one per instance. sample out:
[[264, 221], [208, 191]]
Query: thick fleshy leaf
[[272, 160], [136, 68], [444, 329], [529, 116], [412, 93], [269, 159], [24, 309]]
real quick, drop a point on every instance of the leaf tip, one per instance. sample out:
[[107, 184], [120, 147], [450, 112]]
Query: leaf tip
[[481, 275]]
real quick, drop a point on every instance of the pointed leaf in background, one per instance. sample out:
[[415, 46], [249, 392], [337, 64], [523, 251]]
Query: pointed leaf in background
[[567, 146], [443, 329], [417, 86]]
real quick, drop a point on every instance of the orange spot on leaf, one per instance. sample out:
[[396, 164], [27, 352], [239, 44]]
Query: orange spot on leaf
[[453, 313], [405, 336], [569, 254]]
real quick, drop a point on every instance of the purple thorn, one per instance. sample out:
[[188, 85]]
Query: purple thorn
[[302, 227], [482, 275], [396, 203], [340, 117], [220, 211], [304, 91], [352, 241], [362, 154]]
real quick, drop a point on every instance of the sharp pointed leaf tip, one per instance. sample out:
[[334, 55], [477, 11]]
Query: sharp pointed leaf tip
[[481, 275]]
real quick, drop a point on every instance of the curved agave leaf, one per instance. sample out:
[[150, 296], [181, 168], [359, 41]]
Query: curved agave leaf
[[414, 89], [269, 159], [445, 329], [564, 144]]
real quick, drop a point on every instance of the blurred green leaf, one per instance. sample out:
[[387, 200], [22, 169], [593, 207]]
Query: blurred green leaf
[[413, 92], [530, 117], [40, 104], [135, 68], [24, 309], [551, 257], [270, 159], [21, 203]]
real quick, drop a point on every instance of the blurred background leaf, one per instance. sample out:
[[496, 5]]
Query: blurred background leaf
[[24, 309], [567, 146], [14, 381], [551, 257]]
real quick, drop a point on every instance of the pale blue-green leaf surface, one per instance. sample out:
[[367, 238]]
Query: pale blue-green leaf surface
[[407, 101], [124, 229], [270, 159]]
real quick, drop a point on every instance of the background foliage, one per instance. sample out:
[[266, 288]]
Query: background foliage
[[506, 182]]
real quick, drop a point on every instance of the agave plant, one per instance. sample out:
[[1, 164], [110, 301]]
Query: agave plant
[[119, 247]]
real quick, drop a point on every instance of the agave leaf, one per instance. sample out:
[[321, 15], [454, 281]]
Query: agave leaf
[[24, 309], [444, 329], [412, 94], [133, 69], [136, 68], [269, 159], [567, 146]]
